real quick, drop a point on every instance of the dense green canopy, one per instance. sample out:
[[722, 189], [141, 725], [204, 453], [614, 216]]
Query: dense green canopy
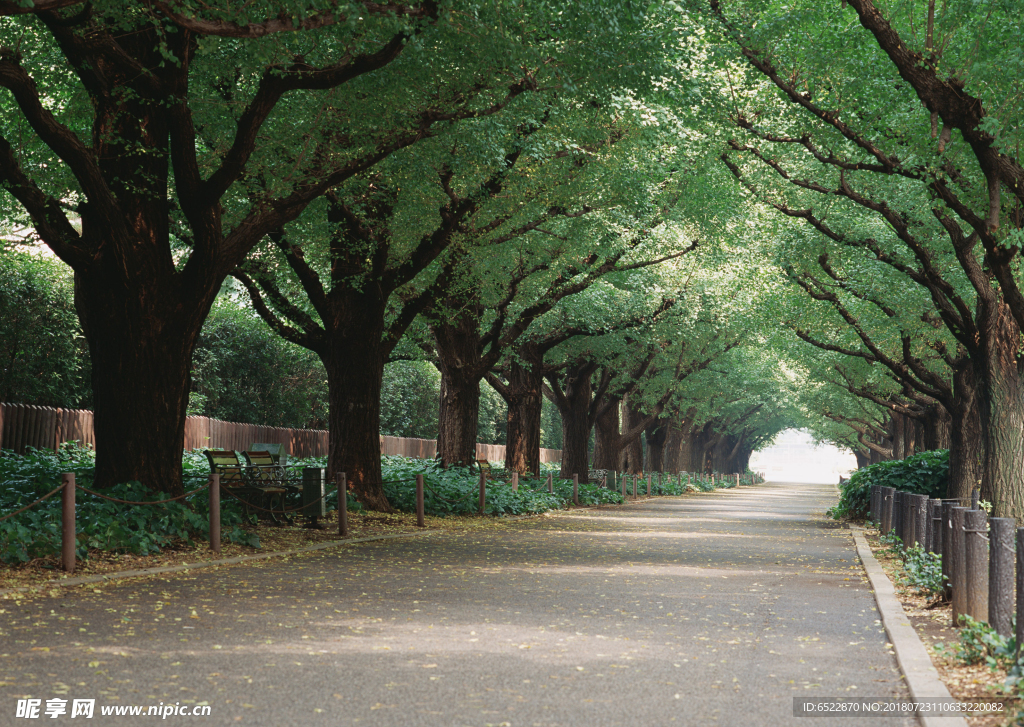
[[671, 230]]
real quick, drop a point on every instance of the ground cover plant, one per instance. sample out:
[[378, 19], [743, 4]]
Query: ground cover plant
[[101, 524], [147, 529], [926, 473]]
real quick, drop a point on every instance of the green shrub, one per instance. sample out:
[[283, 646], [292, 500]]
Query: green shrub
[[926, 473], [101, 524], [456, 490], [923, 571]]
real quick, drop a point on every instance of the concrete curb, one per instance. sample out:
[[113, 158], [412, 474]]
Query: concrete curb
[[920, 674], [84, 580]]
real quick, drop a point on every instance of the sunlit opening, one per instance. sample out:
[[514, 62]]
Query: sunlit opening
[[795, 458]]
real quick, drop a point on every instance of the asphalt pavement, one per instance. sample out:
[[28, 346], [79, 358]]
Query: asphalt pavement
[[709, 609]]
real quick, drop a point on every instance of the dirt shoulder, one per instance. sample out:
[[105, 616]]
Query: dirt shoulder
[[933, 623]]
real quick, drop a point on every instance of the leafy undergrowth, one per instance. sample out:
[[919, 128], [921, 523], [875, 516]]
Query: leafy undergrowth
[[115, 536], [101, 524], [961, 656]]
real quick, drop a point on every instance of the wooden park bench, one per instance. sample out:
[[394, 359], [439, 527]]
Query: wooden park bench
[[255, 485]]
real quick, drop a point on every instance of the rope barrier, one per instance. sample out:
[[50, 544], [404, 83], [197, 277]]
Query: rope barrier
[[465, 497], [33, 504], [133, 502], [278, 510]]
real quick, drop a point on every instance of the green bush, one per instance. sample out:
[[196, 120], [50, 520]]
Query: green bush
[[101, 524], [923, 571], [456, 490], [926, 473]]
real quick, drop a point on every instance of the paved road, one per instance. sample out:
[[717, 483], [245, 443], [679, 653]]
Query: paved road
[[708, 609]]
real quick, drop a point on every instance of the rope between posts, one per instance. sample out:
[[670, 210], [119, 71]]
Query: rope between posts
[[465, 497], [32, 504], [153, 502], [280, 509]]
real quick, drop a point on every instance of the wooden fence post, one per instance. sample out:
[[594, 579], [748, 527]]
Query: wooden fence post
[[515, 482], [214, 495], [342, 505], [1000, 574], [649, 484], [975, 563], [419, 502], [68, 531], [483, 492], [551, 482], [957, 578]]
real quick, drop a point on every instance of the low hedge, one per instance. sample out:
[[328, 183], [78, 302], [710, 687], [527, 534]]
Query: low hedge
[[926, 473]]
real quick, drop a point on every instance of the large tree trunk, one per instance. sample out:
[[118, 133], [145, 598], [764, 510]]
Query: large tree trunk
[[575, 422], [703, 441], [673, 448], [458, 340], [525, 389], [355, 369], [899, 450], [141, 334], [656, 435], [631, 458], [458, 419], [937, 428], [606, 439], [1002, 411], [721, 455], [966, 459], [686, 451], [863, 458]]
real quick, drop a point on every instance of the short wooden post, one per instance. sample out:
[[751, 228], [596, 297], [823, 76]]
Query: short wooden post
[[1000, 574], [947, 548], [604, 482], [957, 577], [551, 482], [483, 492], [214, 513], [976, 563], [342, 505], [419, 502], [648, 484], [923, 519], [68, 531], [575, 489], [885, 509], [623, 486], [934, 518], [515, 482]]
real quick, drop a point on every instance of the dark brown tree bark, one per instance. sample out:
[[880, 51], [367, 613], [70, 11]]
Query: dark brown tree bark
[[573, 394], [354, 357], [631, 457], [966, 446], [656, 436], [524, 392], [458, 344], [673, 447], [606, 439], [1002, 409], [687, 454]]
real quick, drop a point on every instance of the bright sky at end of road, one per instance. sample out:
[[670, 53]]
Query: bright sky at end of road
[[796, 458]]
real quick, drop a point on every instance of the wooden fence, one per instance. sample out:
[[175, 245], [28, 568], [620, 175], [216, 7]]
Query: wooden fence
[[44, 427]]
